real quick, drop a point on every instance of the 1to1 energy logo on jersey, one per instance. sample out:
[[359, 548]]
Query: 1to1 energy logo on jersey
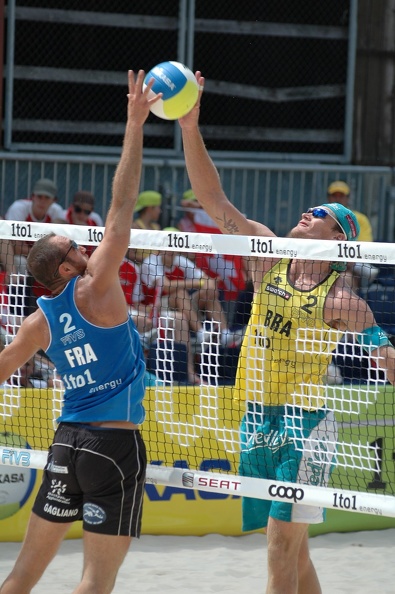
[[16, 482]]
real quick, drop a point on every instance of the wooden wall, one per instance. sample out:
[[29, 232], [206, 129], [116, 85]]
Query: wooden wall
[[374, 106]]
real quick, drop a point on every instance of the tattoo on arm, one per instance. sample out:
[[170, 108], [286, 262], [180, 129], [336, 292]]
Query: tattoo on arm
[[230, 226]]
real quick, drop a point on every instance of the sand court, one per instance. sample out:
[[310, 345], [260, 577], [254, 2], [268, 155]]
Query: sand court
[[347, 563]]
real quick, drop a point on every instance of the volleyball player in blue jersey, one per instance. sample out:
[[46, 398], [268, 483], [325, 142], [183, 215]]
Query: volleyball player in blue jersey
[[96, 465]]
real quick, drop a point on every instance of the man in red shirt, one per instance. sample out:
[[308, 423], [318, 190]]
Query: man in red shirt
[[186, 288], [80, 213], [80, 210], [39, 207]]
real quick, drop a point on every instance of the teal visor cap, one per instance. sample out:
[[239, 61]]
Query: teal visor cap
[[346, 219]]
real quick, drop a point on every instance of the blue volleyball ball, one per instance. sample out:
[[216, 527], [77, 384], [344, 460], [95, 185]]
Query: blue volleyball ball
[[179, 87]]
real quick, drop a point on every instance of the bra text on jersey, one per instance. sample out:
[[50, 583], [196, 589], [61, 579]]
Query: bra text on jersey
[[275, 322]]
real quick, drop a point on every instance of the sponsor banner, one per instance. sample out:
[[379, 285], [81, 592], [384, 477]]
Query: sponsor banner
[[182, 442], [273, 247]]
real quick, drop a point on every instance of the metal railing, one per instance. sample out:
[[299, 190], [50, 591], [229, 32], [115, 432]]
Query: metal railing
[[273, 193]]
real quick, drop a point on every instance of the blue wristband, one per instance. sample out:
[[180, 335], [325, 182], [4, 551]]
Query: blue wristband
[[372, 338]]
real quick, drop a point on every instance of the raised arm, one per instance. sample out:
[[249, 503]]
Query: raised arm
[[106, 259], [205, 180]]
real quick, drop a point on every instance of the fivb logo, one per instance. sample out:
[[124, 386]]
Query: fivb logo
[[13, 457], [292, 493]]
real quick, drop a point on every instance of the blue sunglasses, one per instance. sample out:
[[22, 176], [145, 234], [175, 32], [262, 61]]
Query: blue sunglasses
[[322, 213]]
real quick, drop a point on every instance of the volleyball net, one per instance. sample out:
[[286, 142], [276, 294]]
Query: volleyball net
[[190, 296]]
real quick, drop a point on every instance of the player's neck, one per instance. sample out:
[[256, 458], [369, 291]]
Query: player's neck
[[308, 272]]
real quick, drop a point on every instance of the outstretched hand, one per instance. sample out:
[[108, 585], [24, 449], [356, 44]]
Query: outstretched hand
[[139, 100], [191, 119]]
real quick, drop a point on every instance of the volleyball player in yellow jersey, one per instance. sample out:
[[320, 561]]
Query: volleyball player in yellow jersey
[[298, 308]]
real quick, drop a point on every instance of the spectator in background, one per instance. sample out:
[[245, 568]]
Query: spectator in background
[[80, 213], [184, 287], [6, 270], [230, 271], [339, 191], [147, 312], [359, 275], [130, 277], [190, 204], [6, 262], [39, 207], [97, 218], [148, 209], [81, 209]]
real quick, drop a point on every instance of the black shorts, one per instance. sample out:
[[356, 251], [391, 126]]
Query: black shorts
[[96, 475]]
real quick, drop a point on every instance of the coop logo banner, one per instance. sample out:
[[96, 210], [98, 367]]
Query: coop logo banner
[[16, 484], [282, 492]]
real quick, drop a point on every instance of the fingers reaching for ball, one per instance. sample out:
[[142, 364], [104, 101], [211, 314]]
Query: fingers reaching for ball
[[152, 97], [200, 81], [139, 97], [191, 119]]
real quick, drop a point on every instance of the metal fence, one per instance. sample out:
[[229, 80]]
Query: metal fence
[[279, 75], [274, 193]]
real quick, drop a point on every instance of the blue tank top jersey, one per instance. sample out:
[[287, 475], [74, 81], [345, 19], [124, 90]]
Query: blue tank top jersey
[[102, 369]]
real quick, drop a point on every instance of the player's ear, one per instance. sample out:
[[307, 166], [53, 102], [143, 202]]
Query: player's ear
[[339, 236], [66, 269]]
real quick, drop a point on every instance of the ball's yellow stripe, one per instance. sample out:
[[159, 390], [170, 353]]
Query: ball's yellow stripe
[[182, 103]]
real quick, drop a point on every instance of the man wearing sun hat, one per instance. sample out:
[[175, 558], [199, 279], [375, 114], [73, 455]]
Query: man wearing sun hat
[[360, 276], [188, 202], [340, 192], [39, 207], [148, 209]]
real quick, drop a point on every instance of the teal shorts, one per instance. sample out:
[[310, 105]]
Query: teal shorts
[[286, 443]]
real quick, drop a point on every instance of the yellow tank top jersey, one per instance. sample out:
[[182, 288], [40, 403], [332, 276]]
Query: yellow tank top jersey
[[287, 345]]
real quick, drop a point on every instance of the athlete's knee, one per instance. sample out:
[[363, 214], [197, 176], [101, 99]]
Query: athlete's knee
[[287, 539]]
